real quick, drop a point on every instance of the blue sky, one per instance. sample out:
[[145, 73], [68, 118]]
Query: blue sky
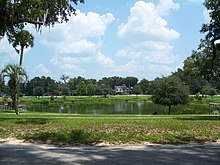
[[145, 39]]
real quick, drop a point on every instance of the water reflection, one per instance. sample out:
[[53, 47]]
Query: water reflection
[[119, 108]]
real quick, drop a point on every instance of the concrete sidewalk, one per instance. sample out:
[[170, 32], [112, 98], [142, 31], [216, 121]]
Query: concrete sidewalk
[[22, 154]]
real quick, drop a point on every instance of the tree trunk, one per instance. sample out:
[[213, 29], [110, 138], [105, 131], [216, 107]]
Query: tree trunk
[[17, 105], [169, 110], [214, 56], [15, 102], [21, 56]]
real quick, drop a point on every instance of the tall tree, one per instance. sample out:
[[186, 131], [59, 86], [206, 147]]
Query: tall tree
[[23, 39], [170, 91], [212, 28], [130, 81], [81, 89], [17, 13], [16, 74], [64, 78]]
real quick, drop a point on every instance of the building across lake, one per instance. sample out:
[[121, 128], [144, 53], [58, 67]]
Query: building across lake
[[122, 90]]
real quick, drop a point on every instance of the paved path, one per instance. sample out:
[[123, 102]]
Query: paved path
[[22, 154]]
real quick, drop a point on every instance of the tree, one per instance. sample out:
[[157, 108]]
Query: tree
[[212, 28], [130, 81], [196, 69], [208, 90], [106, 90], [90, 88], [170, 91], [38, 91], [23, 39], [145, 86], [137, 90], [65, 91], [81, 89], [1, 85], [17, 13], [16, 74], [64, 78]]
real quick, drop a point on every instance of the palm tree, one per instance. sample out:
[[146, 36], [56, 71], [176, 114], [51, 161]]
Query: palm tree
[[24, 39], [16, 74]]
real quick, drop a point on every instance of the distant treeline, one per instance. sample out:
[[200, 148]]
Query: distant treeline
[[79, 86]]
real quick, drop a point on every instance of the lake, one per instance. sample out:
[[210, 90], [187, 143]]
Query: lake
[[145, 108]]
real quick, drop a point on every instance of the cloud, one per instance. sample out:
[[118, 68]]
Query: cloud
[[7, 53], [145, 22], [41, 69], [164, 7], [104, 60], [196, 1], [80, 35], [149, 50], [78, 42], [69, 64]]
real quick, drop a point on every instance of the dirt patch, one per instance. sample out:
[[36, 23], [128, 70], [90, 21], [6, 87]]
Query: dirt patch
[[11, 141]]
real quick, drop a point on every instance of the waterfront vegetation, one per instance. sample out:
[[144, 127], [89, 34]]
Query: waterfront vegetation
[[107, 100]]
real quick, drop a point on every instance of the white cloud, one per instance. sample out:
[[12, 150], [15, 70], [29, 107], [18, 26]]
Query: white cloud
[[104, 60], [41, 69], [78, 42], [165, 6], [69, 64], [149, 50], [7, 53], [200, 1], [145, 23], [79, 35]]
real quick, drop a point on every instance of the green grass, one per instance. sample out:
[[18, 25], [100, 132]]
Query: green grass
[[84, 99], [71, 129]]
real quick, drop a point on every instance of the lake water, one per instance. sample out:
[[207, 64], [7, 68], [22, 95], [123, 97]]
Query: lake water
[[120, 108]]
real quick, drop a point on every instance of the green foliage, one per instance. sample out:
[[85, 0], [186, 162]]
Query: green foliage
[[130, 81], [64, 78], [90, 89], [1, 85], [65, 91], [212, 31], [23, 39], [145, 86], [16, 14], [170, 91], [81, 89], [51, 98], [137, 90], [47, 83], [198, 97], [16, 74], [38, 91]]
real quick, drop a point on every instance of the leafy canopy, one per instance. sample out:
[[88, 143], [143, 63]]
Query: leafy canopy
[[212, 29], [15, 14], [170, 91]]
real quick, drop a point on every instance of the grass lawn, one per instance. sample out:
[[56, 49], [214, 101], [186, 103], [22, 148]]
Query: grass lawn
[[71, 129]]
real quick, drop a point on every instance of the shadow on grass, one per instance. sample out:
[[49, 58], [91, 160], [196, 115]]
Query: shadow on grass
[[38, 121], [22, 121], [75, 137], [189, 139], [199, 118]]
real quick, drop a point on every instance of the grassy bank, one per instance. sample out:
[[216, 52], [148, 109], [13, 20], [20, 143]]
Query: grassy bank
[[73, 129], [100, 99], [84, 99]]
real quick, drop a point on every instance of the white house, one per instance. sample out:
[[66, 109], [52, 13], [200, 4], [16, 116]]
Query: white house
[[122, 90]]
